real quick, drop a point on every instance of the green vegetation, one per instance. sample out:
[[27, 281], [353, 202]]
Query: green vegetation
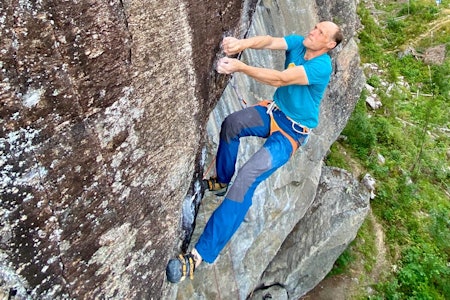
[[342, 263], [411, 132]]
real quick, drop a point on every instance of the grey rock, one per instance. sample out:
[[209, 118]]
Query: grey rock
[[329, 225], [281, 201], [104, 111]]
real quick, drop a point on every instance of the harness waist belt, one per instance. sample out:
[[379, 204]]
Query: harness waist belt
[[304, 130]]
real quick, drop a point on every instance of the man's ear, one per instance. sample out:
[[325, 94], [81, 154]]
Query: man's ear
[[331, 45]]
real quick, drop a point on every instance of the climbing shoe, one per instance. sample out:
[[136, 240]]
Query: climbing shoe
[[179, 268], [213, 185]]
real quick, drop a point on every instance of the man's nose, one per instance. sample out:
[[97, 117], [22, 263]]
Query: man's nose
[[313, 31]]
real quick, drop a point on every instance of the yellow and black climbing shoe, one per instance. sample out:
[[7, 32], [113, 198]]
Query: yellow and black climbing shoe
[[213, 185], [179, 268]]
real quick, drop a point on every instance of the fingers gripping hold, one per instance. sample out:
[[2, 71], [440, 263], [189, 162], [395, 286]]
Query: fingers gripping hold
[[231, 45]]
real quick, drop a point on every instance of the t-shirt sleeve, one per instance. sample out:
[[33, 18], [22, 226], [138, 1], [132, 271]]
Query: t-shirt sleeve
[[294, 41], [318, 70]]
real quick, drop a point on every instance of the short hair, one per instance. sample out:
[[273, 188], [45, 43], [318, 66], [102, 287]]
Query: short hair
[[338, 36]]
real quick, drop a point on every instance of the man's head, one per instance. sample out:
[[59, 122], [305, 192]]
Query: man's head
[[324, 37]]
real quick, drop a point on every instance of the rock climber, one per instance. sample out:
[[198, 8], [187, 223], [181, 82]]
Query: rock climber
[[285, 122]]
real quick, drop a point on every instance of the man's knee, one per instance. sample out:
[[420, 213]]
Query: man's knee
[[235, 123], [229, 129]]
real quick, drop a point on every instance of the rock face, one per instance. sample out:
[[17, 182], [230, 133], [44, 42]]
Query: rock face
[[259, 249], [102, 141], [329, 225], [103, 108]]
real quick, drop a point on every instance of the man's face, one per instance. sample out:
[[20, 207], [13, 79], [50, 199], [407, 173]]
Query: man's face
[[320, 37]]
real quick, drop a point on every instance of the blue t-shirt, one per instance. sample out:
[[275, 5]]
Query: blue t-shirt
[[301, 102]]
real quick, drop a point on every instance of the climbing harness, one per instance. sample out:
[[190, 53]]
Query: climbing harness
[[271, 106], [302, 129]]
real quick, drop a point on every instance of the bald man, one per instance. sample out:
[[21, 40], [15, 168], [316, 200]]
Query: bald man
[[285, 122]]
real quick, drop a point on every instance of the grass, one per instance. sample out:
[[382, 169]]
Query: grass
[[404, 146]]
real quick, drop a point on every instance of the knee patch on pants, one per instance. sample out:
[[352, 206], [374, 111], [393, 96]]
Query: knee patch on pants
[[250, 174]]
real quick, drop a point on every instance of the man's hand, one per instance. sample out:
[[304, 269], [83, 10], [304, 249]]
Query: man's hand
[[228, 65], [231, 45]]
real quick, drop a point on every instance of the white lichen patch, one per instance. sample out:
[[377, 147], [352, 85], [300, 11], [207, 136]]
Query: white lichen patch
[[18, 168], [137, 154], [94, 53], [14, 171], [118, 118], [116, 246], [32, 97], [10, 279], [32, 178]]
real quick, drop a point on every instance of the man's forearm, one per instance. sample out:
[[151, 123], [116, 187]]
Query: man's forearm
[[233, 45], [265, 42], [271, 77], [258, 42], [266, 76]]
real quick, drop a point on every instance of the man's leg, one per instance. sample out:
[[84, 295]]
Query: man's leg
[[252, 121], [229, 215]]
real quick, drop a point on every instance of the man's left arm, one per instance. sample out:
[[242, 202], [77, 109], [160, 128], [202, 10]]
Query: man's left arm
[[290, 76]]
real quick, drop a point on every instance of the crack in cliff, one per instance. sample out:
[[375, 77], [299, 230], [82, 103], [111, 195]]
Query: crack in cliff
[[232, 22], [266, 291], [125, 19]]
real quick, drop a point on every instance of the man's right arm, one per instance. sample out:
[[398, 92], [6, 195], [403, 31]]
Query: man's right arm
[[232, 45]]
